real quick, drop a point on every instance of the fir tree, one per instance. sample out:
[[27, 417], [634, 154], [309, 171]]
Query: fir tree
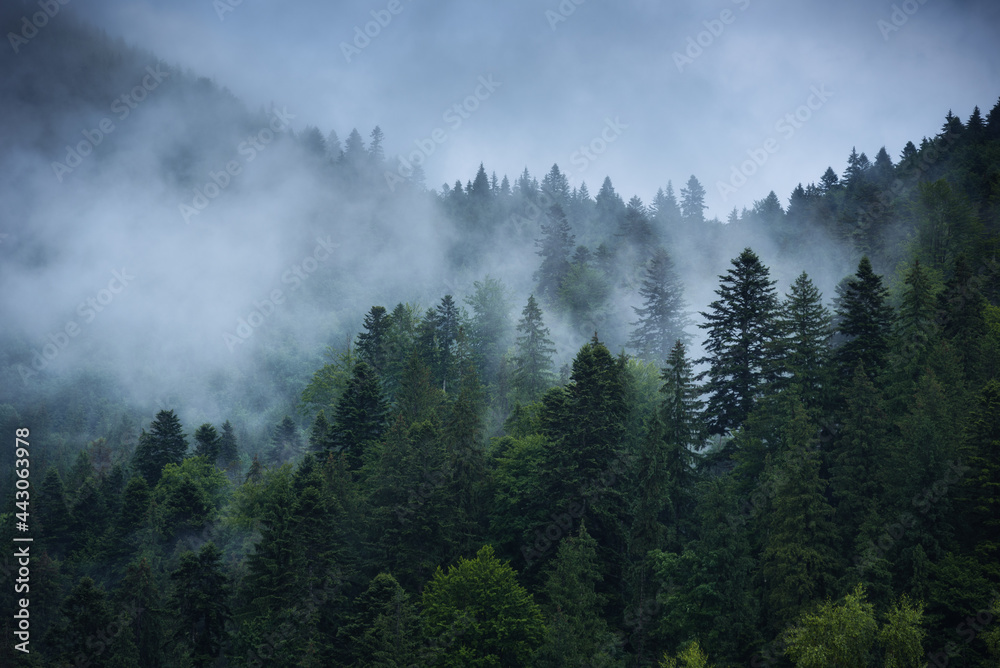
[[806, 328], [554, 248], [229, 455], [285, 442], [533, 364], [693, 202], [165, 443], [865, 319], [741, 328], [661, 317], [207, 442], [200, 601], [371, 343], [360, 415]]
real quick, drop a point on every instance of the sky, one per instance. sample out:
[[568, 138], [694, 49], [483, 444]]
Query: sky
[[746, 95]]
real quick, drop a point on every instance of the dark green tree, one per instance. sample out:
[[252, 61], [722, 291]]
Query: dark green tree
[[371, 344], [865, 320], [533, 364], [742, 328], [229, 455], [165, 443], [52, 511], [360, 415], [806, 328], [200, 601], [384, 630], [693, 202], [285, 443], [207, 443]]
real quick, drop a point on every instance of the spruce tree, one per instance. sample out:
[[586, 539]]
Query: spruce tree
[[865, 319], [806, 328], [554, 247], [693, 202], [200, 603], [576, 632], [207, 443], [360, 415], [662, 319], [533, 361], [371, 344], [742, 328], [165, 443], [229, 455], [285, 443]]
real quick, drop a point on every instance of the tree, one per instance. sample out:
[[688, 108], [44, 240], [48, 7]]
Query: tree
[[200, 602], [360, 415], [835, 635], [490, 329], [576, 633], [53, 514], [902, 635], [691, 656], [502, 623], [741, 328], [554, 248], [371, 343], [806, 327], [533, 362], [207, 440], [384, 631], [865, 319], [229, 455], [693, 202], [165, 443], [285, 442], [799, 557], [917, 324], [85, 618], [661, 317]]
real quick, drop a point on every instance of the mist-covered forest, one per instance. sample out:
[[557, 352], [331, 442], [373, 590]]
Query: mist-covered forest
[[282, 402]]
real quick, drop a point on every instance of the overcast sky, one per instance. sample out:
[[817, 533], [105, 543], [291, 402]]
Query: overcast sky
[[565, 70]]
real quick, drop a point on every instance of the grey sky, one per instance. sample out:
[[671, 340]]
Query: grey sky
[[561, 81]]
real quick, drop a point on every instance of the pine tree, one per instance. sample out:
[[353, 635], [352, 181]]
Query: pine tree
[[53, 514], [200, 602], [661, 318], [207, 443], [693, 202], [285, 443], [806, 328], [741, 328], [554, 248], [319, 435], [576, 633], [799, 556], [371, 343], [360, 415], [490, 330], [533, 364], [385, 629], [165, 444], [865, 319], [229, 455], [85, 619]]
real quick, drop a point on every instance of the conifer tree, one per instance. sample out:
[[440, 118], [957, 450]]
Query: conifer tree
[[693, 202], [533, 363], [285, 442], [200, 601], [661, 317], [165, 443], [554, 247], [576, 633], [806, 328], [229, 455], [53, 513], [371, 344], [360, 415], [207, 442], [865, 319], [742, 328], [384, 630]]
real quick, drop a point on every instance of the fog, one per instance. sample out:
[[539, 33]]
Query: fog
[[201, 257]]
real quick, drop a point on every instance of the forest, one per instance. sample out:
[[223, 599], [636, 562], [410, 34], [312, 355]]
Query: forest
[[624, 434]]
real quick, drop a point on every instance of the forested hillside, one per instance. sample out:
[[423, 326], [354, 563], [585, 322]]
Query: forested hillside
[[510, 423]]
